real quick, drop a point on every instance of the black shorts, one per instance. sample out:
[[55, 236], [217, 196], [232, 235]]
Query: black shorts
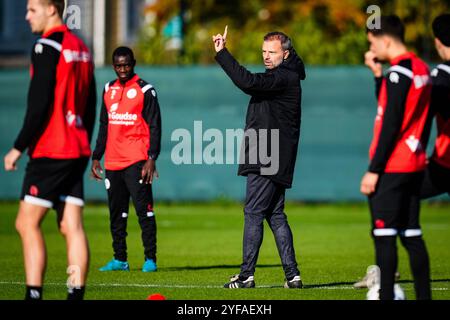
[[49, 182], [436, 181], [395, 205]]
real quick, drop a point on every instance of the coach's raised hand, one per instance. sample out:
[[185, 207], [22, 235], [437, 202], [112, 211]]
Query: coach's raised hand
[[220, 40]]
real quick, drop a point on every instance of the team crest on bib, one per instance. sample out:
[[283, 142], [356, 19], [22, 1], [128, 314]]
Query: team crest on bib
[[132, 93], [114, 107]]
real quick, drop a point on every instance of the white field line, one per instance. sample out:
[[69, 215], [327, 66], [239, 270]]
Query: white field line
[[176, 286]]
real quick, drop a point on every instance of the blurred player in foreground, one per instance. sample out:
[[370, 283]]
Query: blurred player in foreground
[[56, 131], [397, 157]]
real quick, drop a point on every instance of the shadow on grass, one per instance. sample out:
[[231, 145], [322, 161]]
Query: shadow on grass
[[224, 266], [432, 281], [335, 284], [324, 285], [331, 284]]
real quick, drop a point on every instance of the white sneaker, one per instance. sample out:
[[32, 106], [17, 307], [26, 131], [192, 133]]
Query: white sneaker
[[374, 293], [399, 294], [370, 279], [362, 284], [373, 283]]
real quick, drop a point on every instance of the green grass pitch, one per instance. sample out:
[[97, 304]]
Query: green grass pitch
[[199, 248]]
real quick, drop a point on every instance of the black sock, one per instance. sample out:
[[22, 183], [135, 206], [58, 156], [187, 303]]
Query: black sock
[[75, 293], [420, 266], [33, 293], [386, 256]]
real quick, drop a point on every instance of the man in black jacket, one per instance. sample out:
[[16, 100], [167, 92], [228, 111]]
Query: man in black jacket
[[273, 116]]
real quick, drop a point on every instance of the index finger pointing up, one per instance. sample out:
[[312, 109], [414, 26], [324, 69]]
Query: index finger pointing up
[[225, 32]]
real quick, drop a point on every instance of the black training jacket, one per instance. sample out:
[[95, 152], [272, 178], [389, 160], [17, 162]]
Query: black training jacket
[[275, 104]]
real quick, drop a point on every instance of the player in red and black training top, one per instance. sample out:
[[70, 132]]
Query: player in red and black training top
[[437, 175], [397, 155], [130, 138], [56, 131]]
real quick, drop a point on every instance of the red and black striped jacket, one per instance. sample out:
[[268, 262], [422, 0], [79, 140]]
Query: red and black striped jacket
[[402, 123], [60, 114], [130, 124]]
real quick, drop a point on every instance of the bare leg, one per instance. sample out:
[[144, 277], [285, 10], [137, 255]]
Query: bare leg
[[28, 224], [70, 222]]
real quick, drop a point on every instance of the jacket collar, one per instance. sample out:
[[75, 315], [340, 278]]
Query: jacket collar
[[272, 70], [408, 55], [130, 82], [61, 28]]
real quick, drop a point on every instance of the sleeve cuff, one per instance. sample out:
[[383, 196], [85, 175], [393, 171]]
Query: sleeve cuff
[[19, 147], [374, 169], [96, 157], [220, 54]]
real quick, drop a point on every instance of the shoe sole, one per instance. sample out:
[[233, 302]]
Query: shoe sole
[[286, 286], [113, 270], [250, 286]]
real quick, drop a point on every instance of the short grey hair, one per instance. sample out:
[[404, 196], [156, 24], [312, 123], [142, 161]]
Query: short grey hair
[[286, 42]]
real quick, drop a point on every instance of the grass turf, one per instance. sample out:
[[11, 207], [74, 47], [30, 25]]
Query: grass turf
[[199, 248]]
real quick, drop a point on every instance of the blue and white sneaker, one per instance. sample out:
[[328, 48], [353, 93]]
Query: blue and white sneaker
[[116, 265], [149, 266]]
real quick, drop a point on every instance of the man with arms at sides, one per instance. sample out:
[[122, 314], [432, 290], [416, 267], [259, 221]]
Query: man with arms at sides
[[56, 131], [130, 138]]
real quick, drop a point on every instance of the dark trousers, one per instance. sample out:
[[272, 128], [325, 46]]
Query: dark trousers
[[122, 184], [265, 200]]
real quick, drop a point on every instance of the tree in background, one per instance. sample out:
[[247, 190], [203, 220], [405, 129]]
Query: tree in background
[[326, 32]]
